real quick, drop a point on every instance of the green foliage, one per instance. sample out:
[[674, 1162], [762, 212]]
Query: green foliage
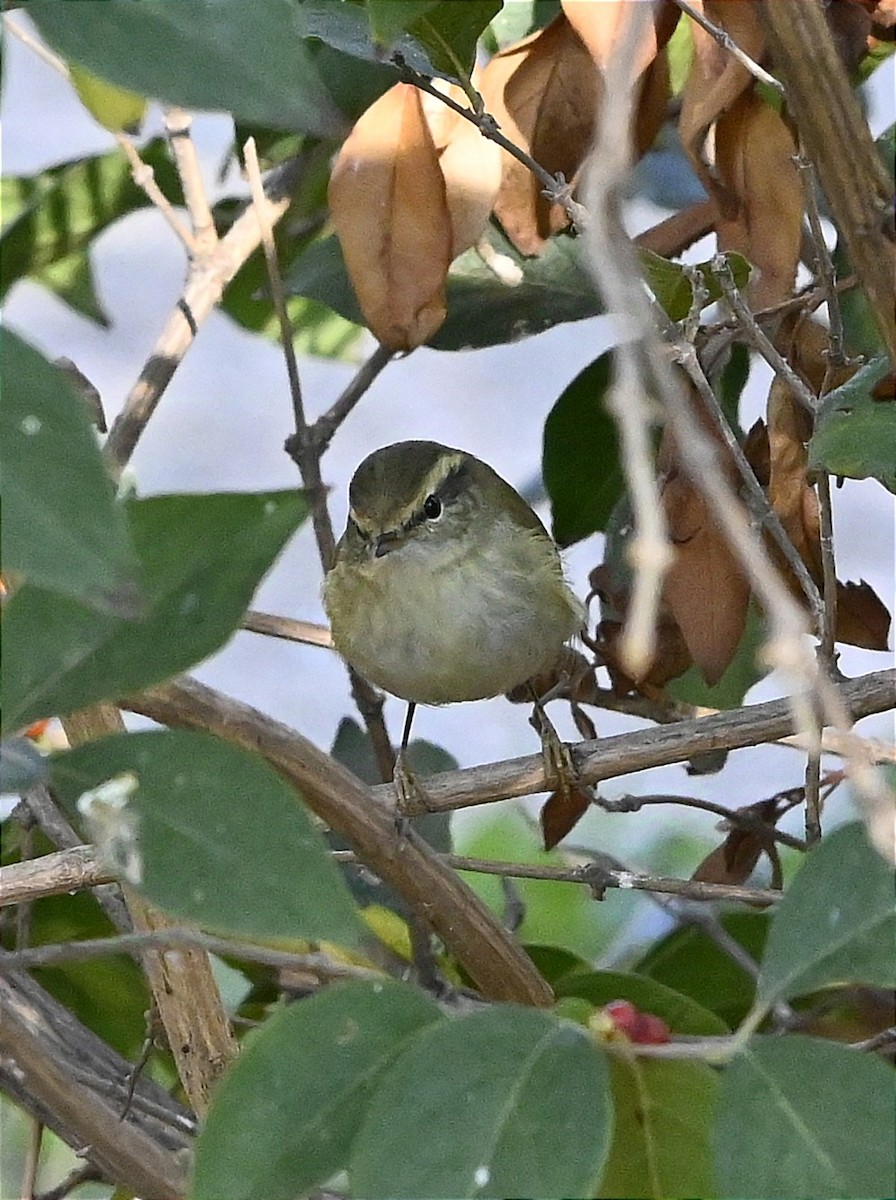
[[836, 922], [689, 961], [513, 1103], [201, 558], [801, 1118], [580, 459], [185, 58], [483, 309], [663, 1118], [210, 833], [285, 1118], [63, 531], [49, 219], [673, 286], [856, 434]]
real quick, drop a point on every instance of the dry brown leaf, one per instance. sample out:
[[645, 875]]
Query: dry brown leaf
[[601, 26], [716, 80], [388, 203], [470, 165], [778, 457], [653, 103], [733, 861], [795, 502], [883, 12], [543, 92], [762, 215], [705, 588], [560, 813], [862, 617]]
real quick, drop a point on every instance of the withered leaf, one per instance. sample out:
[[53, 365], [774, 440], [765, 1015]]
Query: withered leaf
[[543, 92], [862, 617], [716, 80], [705, 589], [389, 208], [561, 812], [601, 27], [795, 502], [470, 165], [733, 861], [762, 210]]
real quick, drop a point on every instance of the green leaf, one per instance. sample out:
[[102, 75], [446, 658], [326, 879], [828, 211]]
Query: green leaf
[[580, 458], [449, 31], [250, 60], [63, 530], [49, 216], [389, 18], [71, 279], [210, 833], [682, 1014], [688, 961], [285, 1116], [513, 1102], [553, 962], [800, 1117], [115, 108], [663, 1118], [836, 922], [483, 309], [856, 434], [670, 284], [202, 557]]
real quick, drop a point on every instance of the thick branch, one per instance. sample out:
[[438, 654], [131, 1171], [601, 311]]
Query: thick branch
[[70, 1080], [498, 966], [182, 983], [835, 134]]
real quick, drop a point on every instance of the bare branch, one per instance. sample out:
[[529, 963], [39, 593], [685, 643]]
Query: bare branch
[[287, 628], [206, 280], [468, 928]]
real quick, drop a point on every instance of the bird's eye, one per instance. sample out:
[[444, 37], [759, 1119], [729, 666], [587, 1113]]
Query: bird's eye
[[432, 508]]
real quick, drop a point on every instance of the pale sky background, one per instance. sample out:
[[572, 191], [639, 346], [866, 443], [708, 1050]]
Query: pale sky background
[[223, 420]]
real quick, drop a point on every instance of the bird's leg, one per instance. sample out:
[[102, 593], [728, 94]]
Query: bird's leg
[[409, 792], [559, 768]]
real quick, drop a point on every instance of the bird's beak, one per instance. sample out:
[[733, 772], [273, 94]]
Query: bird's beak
[[386, 542]]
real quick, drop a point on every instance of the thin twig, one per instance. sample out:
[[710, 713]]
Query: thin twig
[[53, 953], [321, 432], [614, 266], [206, 280], [598, 877], [55, 874], [306, 454], [308, 633], [554, 187], [686, 355], [721, 268], [725, 40], [141, 172], [177, 125], [32, 1158]]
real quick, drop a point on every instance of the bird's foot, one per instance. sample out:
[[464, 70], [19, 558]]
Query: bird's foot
[[410, 795]]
